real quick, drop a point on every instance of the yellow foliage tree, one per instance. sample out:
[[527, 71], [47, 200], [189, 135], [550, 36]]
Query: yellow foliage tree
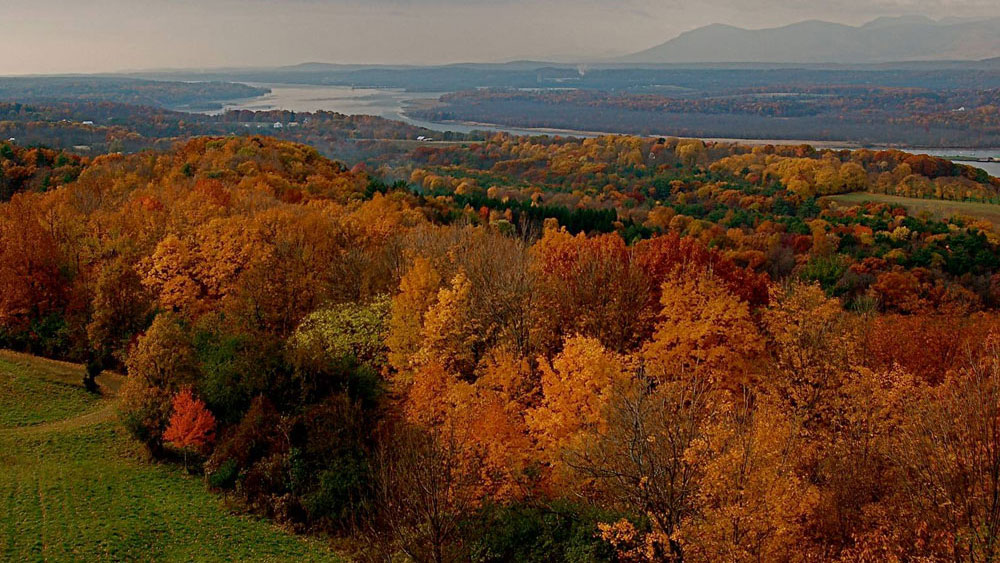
[[704, 329], [449, 335], [811, 348], [417, 291], [752, 504], [575, 388]]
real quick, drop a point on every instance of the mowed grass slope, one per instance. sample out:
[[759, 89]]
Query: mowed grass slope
[[73, 486], [34, 391], [939, 208]]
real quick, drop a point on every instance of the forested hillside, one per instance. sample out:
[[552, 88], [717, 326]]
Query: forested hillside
[[869, 114], [159, 93], [102, 127], [537, 348]]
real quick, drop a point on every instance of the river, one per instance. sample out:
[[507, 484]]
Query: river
[[390, 103], [393, 103]]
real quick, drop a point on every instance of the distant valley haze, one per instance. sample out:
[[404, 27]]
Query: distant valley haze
[[66, 36]]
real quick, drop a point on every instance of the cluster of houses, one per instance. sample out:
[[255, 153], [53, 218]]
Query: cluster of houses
[[277, 125]]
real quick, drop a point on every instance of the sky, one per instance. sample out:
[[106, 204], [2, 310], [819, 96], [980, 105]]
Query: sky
[[74, 36]]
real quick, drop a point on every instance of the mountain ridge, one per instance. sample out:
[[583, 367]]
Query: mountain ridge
[[882, 40]]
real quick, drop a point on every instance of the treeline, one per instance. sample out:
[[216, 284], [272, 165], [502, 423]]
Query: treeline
[[437, 369]]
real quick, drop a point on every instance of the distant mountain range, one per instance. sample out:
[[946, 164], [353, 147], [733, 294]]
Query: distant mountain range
[[910, 38]]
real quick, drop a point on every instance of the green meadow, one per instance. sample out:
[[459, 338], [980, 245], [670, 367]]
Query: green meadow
[[73, 486]]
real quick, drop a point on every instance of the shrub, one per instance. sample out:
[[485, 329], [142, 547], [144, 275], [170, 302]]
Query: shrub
[[349, 330], [560, 532], [225, 475], [340, 489]]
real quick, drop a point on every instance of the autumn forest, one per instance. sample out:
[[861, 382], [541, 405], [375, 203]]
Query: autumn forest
[[535, 348]]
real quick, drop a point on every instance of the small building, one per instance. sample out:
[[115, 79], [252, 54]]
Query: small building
[[87, 122]]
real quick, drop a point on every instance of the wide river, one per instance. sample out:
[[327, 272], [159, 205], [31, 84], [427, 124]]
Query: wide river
[[389, 103], [392, 104]]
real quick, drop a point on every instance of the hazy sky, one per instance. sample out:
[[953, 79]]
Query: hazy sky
[[51, 36]]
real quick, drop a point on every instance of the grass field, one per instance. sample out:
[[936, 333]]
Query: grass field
[[938, 208], [73, 486], [23, 384]]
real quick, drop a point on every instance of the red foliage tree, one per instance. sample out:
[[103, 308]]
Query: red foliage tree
[[192, 425], [662, 257]]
